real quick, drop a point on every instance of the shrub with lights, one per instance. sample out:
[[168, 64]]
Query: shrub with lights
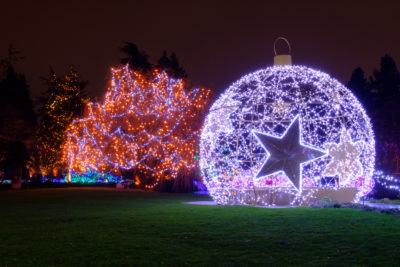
[[147, 123], [286, 135], [387, 186], [91, 177]]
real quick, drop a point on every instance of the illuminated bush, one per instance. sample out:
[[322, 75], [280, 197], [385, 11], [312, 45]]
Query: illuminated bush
[[146, 123]]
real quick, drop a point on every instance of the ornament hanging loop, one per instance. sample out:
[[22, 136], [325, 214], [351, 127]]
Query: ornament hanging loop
[[286, 41], [283, 59]]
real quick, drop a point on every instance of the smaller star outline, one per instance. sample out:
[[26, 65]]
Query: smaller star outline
[[345, 158], [280, 160]]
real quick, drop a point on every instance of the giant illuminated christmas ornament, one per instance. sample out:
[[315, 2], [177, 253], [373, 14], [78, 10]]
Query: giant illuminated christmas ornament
[[147, 123], [287, 135]]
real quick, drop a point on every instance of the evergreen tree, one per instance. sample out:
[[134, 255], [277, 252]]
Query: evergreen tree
[[171, 66], [17, 119], [385, 89], [13, 56], [164, 62], [360, 87], [63, 101], [381, 95], [137, 60], [385, 82]]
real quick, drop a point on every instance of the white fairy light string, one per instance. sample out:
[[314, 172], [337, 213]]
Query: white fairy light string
[[388, 182], [267, 101]]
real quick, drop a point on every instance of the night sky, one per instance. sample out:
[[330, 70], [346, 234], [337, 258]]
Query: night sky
[[216, 42]]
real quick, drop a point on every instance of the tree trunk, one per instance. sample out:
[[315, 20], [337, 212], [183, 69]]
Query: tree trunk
[[16, 182]]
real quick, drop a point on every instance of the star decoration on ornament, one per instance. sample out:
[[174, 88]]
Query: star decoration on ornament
[[345, 161], [287, 154]]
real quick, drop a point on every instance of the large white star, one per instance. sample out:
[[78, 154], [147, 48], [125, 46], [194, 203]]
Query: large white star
[[287, 154], [345, 162]]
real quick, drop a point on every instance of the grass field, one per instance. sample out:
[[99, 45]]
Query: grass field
[[105, 227], [388, 201]]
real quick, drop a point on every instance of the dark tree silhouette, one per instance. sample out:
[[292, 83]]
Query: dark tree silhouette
[[14, 157], [14, 55], [17, 119], [385, 92], [385, 82], [385, 86], [381, 96], [137, 60], [63, 101], [360, 87], [171, 66], [164, 61]]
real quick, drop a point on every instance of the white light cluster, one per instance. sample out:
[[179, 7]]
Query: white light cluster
[[387, 181], [267, 101]]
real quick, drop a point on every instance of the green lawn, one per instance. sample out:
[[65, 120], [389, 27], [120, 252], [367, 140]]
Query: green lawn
[[104, 227]]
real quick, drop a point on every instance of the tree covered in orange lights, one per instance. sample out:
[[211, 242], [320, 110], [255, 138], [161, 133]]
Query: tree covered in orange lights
[[148, 124]]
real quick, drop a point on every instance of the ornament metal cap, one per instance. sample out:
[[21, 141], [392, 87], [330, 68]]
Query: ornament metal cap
[[284, 59]]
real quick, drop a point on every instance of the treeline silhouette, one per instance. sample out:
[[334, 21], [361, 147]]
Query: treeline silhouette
[[139, 61], [380, 95]]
